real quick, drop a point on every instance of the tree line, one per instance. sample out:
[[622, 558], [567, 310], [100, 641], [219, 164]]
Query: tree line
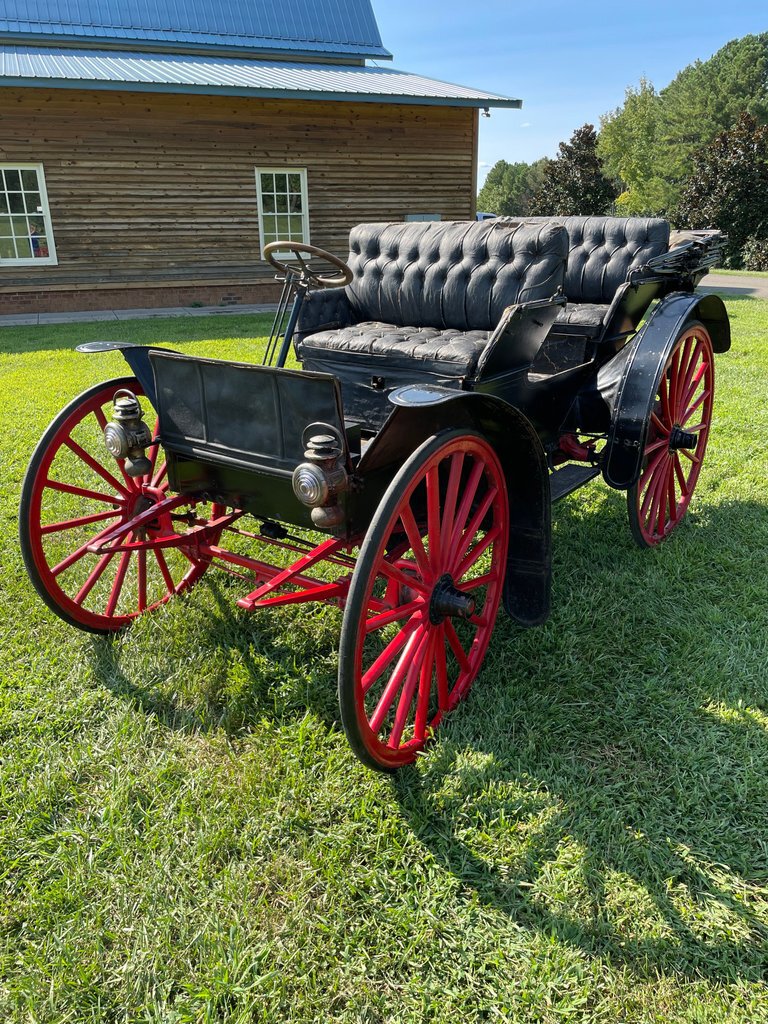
[[695, 152]]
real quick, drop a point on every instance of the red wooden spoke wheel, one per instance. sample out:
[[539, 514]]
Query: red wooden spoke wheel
[[677, 439], [423, 599], [74, 494]]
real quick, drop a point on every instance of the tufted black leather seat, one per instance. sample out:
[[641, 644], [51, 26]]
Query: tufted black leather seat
[[427, 295], [449, 352], [602, 251]]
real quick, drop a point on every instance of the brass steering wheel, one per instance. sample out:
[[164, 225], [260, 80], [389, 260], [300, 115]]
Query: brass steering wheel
[[307, 274]]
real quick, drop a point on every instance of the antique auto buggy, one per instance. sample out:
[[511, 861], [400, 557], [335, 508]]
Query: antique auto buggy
[[457, 378]]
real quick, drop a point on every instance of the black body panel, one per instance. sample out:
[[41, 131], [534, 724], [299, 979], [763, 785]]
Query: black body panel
[[528, 575], [236, 431]]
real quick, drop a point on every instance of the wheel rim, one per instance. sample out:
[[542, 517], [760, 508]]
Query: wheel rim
[[431, 575], [677, 438], [74, 493]]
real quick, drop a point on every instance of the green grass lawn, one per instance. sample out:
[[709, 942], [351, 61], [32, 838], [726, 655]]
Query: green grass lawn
[[185, 836], [740, 273]]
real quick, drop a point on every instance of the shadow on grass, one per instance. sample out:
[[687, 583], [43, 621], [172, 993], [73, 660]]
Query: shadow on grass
[[621, 806], [225, 669], [605, 783]]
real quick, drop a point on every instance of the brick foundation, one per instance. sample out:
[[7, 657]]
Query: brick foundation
[[62, 300]]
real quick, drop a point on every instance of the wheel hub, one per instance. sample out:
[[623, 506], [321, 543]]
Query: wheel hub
[[448, 601], [680, 438]]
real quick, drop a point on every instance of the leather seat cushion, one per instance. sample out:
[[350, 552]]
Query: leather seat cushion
[[584, 319], [449, 351]]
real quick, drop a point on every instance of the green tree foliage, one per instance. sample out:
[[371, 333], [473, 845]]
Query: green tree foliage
[[707, 97], [728, 187], [651, 142], [630, 148], [508, 189], [574, 183], [754, 255]]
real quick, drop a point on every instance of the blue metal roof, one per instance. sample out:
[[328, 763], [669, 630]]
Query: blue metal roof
[[232, 76], [346, 28]]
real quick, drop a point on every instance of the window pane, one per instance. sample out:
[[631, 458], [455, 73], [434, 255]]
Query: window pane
[[282, 205], [23, 215], [29, 181]]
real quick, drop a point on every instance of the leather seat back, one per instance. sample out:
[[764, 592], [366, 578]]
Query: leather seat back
[[452, 274], [603, 250]]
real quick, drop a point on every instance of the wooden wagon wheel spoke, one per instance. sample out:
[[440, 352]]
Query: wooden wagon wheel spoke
[[390, 652], [452, 493], [401, 611], [413, 668], [73, 524], [93, 578], [476, 552], [694, 365], [696, 406], [399, 675], [657, 423]]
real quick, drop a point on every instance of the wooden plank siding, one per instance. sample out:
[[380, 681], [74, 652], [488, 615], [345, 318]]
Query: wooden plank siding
[[150, 190]]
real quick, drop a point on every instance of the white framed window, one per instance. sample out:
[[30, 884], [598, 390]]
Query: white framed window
[[281, 193], [26, 236]]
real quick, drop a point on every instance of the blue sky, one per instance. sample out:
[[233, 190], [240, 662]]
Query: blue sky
[[568, 62]]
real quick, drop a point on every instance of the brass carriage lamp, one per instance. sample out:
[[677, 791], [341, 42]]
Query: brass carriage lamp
[[127, 435], [318, 481]]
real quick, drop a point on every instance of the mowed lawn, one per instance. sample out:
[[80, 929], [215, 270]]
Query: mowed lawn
[[185, 836]]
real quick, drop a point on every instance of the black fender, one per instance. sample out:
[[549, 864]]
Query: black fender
[[643, 364], [137, 357], [421, 412]]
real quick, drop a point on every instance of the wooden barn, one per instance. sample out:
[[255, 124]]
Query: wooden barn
[[142, 165]]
